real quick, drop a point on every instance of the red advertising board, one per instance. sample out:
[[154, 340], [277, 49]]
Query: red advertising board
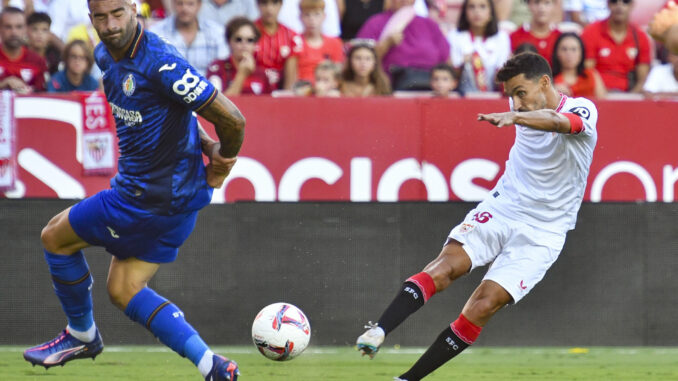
[[379, 149]]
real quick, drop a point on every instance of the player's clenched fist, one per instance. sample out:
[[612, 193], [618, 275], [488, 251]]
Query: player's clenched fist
[[219, 166]]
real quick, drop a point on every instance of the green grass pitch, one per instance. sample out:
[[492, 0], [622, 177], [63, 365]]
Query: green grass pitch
[[344, 363]]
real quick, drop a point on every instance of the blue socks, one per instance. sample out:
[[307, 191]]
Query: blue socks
[[73, 285], [166, 321]]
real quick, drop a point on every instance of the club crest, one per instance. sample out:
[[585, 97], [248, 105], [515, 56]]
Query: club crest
[[129, 85], [97, 148], [465, 228]]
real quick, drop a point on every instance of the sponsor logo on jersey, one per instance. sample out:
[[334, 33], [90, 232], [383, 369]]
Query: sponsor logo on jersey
[[129, 85], [131, 118], [190, 86], [26, 74], [167, 67], [581, 111]]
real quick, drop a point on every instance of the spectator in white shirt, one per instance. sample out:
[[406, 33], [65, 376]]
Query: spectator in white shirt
[[663, 79], [199, 40], [223, 11], [584, 12]]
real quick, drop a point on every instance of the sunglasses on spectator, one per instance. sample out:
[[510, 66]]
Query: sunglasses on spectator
[[617, 1], [243, 39]]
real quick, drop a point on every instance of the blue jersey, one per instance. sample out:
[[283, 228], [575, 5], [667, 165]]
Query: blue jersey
[[153, 93]]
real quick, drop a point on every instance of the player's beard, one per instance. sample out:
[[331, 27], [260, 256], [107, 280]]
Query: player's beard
[[122, 38]]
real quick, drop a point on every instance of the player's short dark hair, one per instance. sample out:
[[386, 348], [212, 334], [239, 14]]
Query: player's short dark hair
[[238, 22], [532, 65], [444, 67], [491, 28], [38, 17]]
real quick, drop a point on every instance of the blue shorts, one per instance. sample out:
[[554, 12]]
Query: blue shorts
[[106, 219]]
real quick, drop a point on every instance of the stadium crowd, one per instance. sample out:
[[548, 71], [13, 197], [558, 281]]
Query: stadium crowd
[[356, 48]]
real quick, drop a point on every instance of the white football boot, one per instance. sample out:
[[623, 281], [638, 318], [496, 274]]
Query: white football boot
[[369, 342]]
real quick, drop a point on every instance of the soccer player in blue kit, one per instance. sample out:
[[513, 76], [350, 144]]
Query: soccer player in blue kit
[[152, 207]]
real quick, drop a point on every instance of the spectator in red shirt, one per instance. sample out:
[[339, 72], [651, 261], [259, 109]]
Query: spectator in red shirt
[[240, 73], [316, 47], [570, 76], [619, 50], [540, 31], [21, 70], [276, 46]]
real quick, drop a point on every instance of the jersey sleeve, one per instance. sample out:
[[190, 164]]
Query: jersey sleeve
[[182, 82], [587, 112]]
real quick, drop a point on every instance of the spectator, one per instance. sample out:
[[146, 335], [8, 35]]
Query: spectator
[[444, 81], [584, 12], [570, 76], [362, 75], [316, 47], [290, 15], [78, 61], [66, 14], [540, 31], [276, 47], [619, 50], [663, 79], [39, 38], [479, 48], [408, 45], [240, 74], [223, 11], [21, 70], [199, 40], [327, 79], [354, 13]]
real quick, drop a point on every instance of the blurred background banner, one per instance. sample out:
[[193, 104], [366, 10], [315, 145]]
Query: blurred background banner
[[377, 149], [7, 141]]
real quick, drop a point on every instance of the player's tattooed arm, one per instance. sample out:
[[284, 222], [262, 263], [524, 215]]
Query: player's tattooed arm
[[229, 124], [230, 127], [544, 120]]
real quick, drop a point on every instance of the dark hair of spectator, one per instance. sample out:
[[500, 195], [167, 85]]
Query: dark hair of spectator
[[377, 77], [525, 47], [557, 68], [38, 17], [85, 47], [444, 67], [492, 26], [532, 65], [11, 11], [236, 23]]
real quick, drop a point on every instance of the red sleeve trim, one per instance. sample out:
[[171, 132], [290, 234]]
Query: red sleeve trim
[[576, 124]]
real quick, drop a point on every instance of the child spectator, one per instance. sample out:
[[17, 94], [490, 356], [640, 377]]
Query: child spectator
[[240, 74], [327, 79], [479, 48], [569, 74], [78, 61], [21, 70], [362, 76], [540, 31], [39, 38], [444, 81], [316, 47], [276, 46], [619, 50]]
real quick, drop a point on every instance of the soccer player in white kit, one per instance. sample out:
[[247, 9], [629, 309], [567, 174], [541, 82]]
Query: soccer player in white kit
[[521, 225]]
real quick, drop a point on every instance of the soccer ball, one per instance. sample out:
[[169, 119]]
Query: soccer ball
[[281, 331]]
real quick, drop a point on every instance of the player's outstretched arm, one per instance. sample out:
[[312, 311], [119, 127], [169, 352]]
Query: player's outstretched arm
[[229, 124], [544, 120]]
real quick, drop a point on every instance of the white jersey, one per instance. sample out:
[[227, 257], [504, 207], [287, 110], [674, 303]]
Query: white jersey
[[545, 177]]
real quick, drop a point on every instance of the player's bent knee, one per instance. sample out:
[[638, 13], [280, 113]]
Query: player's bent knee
[[49, 238], [120, 293]]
